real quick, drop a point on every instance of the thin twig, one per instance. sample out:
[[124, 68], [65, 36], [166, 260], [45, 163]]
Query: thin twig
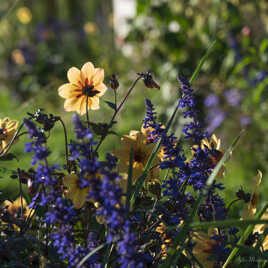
[[116, 112]]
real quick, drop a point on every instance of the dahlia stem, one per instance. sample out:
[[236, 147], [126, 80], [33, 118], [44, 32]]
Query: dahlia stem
[[115, 99], [87, 113], [66, 145], [116, 112]]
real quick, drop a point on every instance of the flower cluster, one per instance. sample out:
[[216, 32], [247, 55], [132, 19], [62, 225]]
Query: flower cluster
[[126, 208]]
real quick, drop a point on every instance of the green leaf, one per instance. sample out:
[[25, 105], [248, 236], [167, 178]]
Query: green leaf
[[264, 46], [201, 63], [258, 91]]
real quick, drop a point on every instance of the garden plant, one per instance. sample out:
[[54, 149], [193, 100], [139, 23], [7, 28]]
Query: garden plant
[[153, 202], [90, 190]]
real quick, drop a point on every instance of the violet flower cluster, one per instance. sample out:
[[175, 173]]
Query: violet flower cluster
[[194, 172]]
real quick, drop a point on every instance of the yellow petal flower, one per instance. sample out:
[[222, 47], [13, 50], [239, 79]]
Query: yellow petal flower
[[7, 131], [142, 150], [14, 209], [75, 193], [217, 153], [84, 84]]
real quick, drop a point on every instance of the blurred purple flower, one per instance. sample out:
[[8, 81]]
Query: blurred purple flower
[[211, 100], [214, 119], [245, 120], [233, 97]]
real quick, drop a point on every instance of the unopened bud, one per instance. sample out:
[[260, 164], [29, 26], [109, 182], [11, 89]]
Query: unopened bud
[[114, 84]]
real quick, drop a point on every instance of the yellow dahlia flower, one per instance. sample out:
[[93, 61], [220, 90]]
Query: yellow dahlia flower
[[7, 130], [14, 209], [83, 84], [75, 193], [138, 141]]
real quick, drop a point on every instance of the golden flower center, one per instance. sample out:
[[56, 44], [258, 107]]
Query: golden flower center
[[89, 91]]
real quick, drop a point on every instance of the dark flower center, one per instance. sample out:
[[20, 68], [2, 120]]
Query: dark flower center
[[89, 91], [2, 133], [138, 157]]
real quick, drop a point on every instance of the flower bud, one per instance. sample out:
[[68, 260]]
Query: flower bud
[[114, 84]]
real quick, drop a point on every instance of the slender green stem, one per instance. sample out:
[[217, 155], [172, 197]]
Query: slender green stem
[[202, 61], [231, 203], [115, 99], [66, 145], [116, 112], [87, 112], [90, 254]]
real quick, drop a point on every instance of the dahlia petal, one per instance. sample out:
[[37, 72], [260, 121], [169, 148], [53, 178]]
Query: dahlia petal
[[101, 88], [82, 107], [74, 76], [68, 91], [88, 70], [71, 104], [98, 76], [70, 180], [95, 103]]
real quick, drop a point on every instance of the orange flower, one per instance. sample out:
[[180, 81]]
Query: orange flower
[[87, 83]]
